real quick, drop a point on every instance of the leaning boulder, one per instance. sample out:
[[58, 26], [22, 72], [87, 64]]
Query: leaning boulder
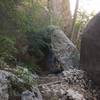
[[90, 49], [64, 52]]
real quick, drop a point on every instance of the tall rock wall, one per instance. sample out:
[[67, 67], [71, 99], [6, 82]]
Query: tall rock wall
[[61, 14], [59, 10]]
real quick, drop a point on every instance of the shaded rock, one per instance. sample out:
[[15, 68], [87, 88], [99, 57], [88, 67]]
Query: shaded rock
[[90, 49], [64, 53], [3, 87], [74, 95], [74, 76], [13, 88], [31, 95], [27, 95]]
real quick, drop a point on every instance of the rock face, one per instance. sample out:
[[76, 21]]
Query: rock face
[[60, 13], [34, 95], [90, 49], [3, 86], [14, 88], [64, 51]]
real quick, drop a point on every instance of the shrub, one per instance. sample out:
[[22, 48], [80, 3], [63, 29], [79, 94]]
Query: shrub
[[7, 50]]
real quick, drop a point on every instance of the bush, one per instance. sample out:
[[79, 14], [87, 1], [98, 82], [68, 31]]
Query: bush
[[7, 50], [24, 74]]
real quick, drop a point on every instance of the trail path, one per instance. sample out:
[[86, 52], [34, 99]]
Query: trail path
[[69, 85]]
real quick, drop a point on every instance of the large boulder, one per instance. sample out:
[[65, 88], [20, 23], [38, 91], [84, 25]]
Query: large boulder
[[64, 53], [90, 49]]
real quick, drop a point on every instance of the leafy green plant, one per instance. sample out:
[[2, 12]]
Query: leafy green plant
[[7, 50], [25, 74], [38, 42], [82, 19], [32, 16], [32, 67]]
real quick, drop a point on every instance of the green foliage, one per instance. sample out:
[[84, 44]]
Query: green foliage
[[17, 18], [39, 42], [7, 50], [8, 16], [3, 64], [32, 67], [32, 16], [82, 19], [20, 80], [25, 74], [38, 45]]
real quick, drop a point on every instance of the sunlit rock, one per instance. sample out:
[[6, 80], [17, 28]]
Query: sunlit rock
[[64, 54]]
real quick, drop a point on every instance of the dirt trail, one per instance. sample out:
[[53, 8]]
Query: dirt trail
[[69, 85]]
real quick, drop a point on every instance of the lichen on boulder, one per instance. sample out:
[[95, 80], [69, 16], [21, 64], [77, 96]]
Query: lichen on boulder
[[64, 53]]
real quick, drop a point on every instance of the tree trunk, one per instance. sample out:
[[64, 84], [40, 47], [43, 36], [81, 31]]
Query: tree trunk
[[74, 20], [50, 12]]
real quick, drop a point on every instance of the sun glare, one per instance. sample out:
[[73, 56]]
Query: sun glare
[[88, 5]]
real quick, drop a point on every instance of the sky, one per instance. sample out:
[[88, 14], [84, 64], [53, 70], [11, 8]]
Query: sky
[[88, 5]]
